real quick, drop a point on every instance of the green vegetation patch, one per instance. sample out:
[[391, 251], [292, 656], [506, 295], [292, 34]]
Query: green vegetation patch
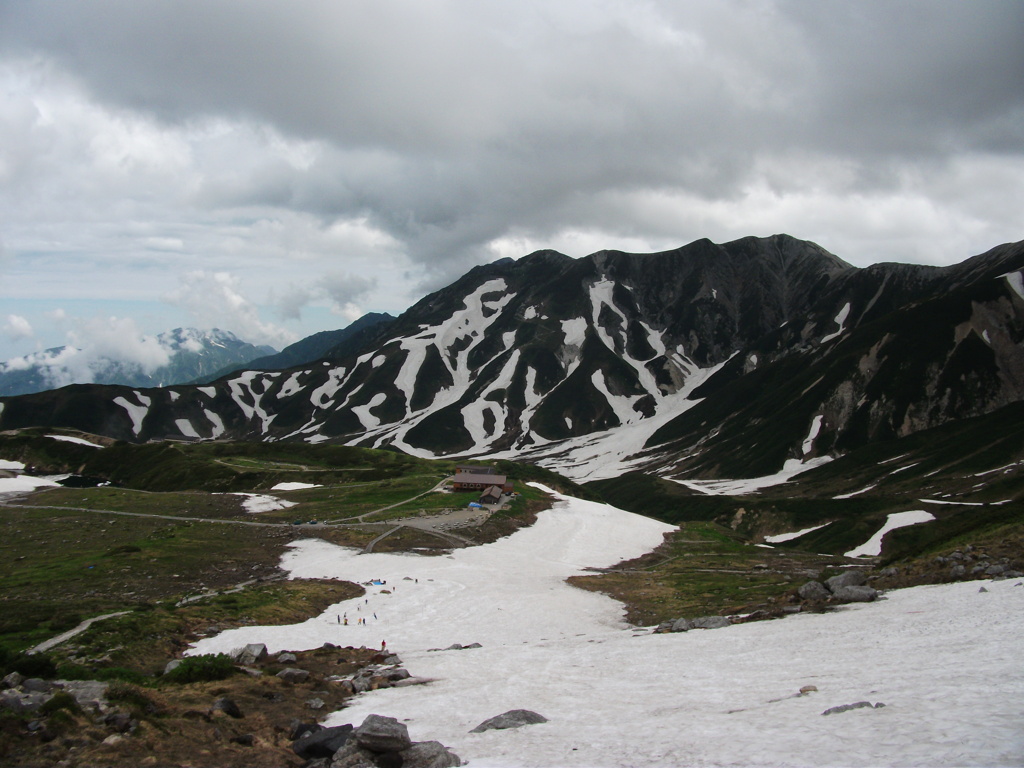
[[704, 569]]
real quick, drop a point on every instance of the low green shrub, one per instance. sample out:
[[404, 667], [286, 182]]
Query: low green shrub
[[199, 669], [36, 665], [60, 700], [132, 697]]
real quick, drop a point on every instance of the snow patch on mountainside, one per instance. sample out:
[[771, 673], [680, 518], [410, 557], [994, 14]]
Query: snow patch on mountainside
[[75, 440], [186, 428], [252, 385], [136, 411], [739, 487], [840, 321], [215, 420], [873, 546], [781, 537], [1016, 282]]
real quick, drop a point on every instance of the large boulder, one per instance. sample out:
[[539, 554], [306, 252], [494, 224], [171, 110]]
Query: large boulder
[[813, 590], [253, 653], [855, 594], [514, 718], [680, 625], [13, 680], [382, 734], [850, 578], [322, 743], [90, 694], [293, 675], [23, 702], [429, 754], [354, 756]]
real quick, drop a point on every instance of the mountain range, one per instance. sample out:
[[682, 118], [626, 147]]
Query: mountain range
[[710, 360], [190, 353]]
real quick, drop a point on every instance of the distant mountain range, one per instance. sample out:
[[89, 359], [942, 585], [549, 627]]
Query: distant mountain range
[[325, 344], [193, 354], [704, 361]]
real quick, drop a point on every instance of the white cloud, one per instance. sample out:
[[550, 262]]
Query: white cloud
[[213, 300], [94, 344], [17, 327]]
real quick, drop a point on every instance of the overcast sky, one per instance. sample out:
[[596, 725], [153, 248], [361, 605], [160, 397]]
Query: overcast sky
[[278, 168]]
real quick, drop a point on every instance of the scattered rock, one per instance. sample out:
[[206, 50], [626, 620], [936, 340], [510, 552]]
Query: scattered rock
[[353, 756], [855, 594], [813, 590], [22, 702], [711, 622], [119, 722], [982, 589], [293, 675], [322, 743], [315, 703], [808, 689], [286, 658], [13, 680], [90, 694], [856, 705], [299, 730], [253, 653], [172, 665], [382, 734], [514, 718], [246, 740], [851, 578], [228, 707], [429, 754], [36, 685]]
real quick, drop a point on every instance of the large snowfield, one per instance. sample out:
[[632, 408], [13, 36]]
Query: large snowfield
[[944, 660]]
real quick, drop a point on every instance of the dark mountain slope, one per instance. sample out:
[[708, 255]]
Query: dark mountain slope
[[724, 359]]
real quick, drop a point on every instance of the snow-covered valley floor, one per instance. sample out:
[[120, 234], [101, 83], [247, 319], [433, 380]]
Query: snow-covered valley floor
[[945, 660]]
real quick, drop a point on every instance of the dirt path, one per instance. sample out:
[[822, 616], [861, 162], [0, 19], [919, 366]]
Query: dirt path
[[55, 641], [346, 520]]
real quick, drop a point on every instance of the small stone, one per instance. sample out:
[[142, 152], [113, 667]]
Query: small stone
[[286, 658], [808, 689], [315, 703]]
